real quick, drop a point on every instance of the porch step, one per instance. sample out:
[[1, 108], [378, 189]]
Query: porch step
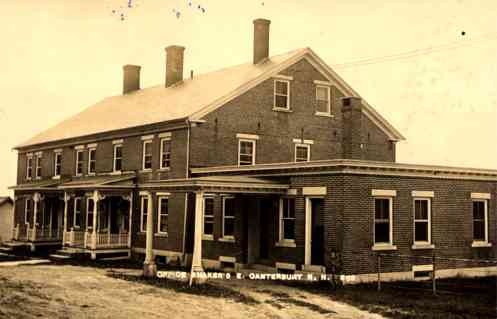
[[59, 257], [6, 249]]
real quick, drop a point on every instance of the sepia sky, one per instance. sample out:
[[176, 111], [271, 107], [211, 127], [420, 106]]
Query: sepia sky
[[437, 86]]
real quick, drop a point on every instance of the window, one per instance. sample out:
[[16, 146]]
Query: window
[[77, 212], [287, 219], [383, 220], [163, 214], [246, 152], [90, 209], [165, 153], [144, 213], [147, 155], [38, 166], [323, 100], [302, 152], [92, 160], [480, 221], [118, 157], [422, 220], [28, 211], [282, 94], [57, 163], [209, 216], [79, 162], [228, 217], [29, 167]]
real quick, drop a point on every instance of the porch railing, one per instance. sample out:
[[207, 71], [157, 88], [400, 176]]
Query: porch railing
[[107, 240], [25, 232], [21, 232], [74, 238]]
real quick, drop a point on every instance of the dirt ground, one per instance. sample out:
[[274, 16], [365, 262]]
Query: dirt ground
[[66, 291]]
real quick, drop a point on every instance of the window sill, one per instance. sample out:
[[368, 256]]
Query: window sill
[[148, 170], [380, 247], [480, 244], [164, 169], [56, 177], [92, 174], [227, 239], [324, 114], [280, 109], [141, 233], [115, 173], [162, 235], [422, 246], [207, 237], [286, 243]]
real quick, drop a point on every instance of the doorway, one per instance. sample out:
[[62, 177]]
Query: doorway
[[317, 231]]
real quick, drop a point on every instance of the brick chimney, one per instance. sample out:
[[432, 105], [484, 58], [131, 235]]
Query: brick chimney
[[174, 64], [261, 40], [353, 137], [131, 78]]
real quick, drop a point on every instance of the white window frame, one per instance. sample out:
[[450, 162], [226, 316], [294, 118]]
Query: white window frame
[[29, 166], [144, 144], [228, 217], [204, 235], [160, 214], [287, 108], [57, 154], [328, 88], [307, 146], [76, 212], [428, 221], [383, 245], [79, 151], [38, 158], [162, 152], [485, 207], [281, 232], [143, 207], [254, 146], [88, 199], [92, 149], [115, 158]]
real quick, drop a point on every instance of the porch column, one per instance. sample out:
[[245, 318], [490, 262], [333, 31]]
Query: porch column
[[36, 200], [197, 246], [15, 229], [308, 231], [66, 199], [96, 199], [130, 218], [149, 266]]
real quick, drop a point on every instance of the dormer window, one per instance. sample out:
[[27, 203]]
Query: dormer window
[[281, 94]]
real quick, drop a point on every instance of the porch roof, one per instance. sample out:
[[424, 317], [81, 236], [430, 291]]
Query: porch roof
[[38, 185], [101, 182], [230, 184]]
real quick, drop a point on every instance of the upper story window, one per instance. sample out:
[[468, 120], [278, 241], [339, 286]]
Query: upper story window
[[57, 163], [163, 214], [92, 160], [228, 217], [282, 94], [118, 156], [38, 165], [165, 152], [323, 100], [208, 216], [29, 166], [422, 221], [147, 155], [246, 148], [480, 220], [287, 219], [79, 162], [144, 213], [302, 152]]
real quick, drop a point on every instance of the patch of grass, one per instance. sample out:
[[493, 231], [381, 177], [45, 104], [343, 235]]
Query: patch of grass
[[207, 289], [456, 298]]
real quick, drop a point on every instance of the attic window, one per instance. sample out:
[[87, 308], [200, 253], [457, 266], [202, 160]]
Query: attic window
[[282, 94], [346, 102], [323, 100]]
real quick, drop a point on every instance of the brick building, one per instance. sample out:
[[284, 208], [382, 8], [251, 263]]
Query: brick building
[[273, 164]]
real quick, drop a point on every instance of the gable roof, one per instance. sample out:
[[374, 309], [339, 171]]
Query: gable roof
[[192, 99], [4, 200]]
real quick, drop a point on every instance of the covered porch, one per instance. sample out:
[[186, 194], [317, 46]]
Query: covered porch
[[97, 216]]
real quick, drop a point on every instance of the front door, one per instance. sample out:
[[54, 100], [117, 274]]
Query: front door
[[317, 237], [265, 221]]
